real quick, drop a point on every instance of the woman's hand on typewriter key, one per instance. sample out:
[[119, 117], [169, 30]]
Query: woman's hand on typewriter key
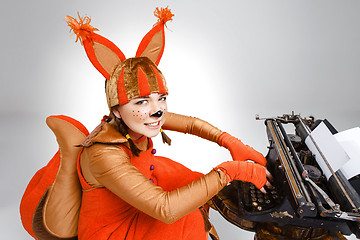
[[267, 184], [246, 172], [240, 151]]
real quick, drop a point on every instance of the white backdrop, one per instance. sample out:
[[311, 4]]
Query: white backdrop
[[224, 62]]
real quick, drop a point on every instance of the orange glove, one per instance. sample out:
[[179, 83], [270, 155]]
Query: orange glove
[[240, 151], [244, 171]]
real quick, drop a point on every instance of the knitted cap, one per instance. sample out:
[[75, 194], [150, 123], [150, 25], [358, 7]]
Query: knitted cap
[[126, 78]]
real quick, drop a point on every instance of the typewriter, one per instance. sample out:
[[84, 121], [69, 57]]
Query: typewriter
[[302, 196]]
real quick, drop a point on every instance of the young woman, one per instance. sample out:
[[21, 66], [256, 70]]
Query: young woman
[[127, 191]]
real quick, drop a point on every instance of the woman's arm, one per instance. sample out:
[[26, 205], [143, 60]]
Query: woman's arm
[[111, 167], [192, 125], [203, 129]]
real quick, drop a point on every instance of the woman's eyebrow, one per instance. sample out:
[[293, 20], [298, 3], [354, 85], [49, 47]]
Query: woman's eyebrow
[[142, 97], [161, 95]]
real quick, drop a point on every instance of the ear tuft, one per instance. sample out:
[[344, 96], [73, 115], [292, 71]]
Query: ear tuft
[[82, 28], [163, 14]]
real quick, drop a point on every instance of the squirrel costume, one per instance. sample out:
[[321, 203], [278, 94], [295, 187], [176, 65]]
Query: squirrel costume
[[106, 185]]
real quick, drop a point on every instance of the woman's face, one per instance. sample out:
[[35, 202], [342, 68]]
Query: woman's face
[[144, 116]]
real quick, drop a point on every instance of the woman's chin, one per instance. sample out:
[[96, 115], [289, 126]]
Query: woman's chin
[[151, 135]]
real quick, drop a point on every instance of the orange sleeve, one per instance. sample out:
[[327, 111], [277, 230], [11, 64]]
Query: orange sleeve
[[192, 125], [114, 171]]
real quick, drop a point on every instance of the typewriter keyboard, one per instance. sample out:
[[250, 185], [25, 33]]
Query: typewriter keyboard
[[256, 201]]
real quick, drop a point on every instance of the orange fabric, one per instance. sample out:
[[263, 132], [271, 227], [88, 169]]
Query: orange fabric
[[111, 167], [244, 171], [143, 83], [105, 216], [240, 151], [85, 32], [41, 181], [122, 96], [163, 15], [90, 51], [35, 190], [147, 39]]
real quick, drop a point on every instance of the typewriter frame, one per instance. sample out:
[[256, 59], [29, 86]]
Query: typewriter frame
[[332, 205]]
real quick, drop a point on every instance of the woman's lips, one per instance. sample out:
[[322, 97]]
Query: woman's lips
[[154, 124]]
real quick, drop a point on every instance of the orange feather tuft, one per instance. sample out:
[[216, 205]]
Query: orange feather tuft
[[163, 15], [82, 28]]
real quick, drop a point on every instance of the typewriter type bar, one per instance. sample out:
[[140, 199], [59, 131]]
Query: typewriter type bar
[[290, 166], [342, 190]]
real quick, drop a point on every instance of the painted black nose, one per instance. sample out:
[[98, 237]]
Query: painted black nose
[[157, 114]]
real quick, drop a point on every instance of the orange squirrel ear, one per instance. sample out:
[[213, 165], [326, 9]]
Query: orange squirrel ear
[[153, 43], [102, 53]]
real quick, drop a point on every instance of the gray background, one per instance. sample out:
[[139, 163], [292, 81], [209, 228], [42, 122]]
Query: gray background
[[224, 62]]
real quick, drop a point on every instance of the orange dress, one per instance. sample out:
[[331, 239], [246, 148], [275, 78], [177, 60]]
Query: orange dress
[[101, 192], [104, 215]]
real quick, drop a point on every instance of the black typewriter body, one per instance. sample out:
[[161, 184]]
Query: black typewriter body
[[301, 196]]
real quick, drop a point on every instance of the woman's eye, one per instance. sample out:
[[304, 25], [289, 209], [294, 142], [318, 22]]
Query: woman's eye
[[141, 102], [162, 99]]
